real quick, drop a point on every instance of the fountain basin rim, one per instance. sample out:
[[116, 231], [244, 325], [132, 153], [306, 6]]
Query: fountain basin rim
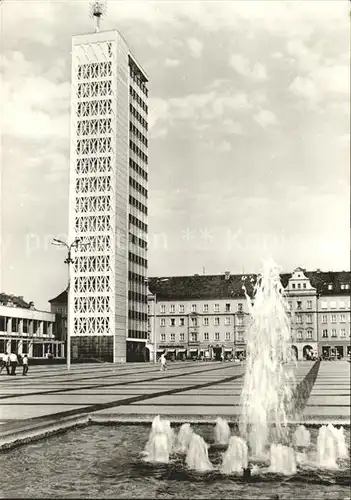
[[15, 434], [111, 418]]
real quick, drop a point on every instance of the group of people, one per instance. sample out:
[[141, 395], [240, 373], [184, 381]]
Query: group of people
[[11, 361]]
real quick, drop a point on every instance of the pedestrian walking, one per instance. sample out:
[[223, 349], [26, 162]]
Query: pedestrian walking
[[25, 364], [3, 362], [13, 363], [163, 362]]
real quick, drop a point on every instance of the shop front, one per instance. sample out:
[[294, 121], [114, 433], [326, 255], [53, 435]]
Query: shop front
[[334, 350], [228, 353], [240, 353], [181, 354], [173, 351], [193, 353]]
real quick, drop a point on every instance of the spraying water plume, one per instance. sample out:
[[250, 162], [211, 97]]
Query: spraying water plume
[[269, 377]]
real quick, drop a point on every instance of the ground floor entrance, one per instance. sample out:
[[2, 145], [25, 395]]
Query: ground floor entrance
[[334, 351], [137, 352]]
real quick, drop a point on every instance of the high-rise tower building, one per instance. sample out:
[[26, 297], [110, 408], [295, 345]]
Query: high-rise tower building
[[108, 199]]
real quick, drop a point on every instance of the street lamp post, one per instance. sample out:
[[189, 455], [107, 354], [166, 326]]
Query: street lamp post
[[68, 261], [154, 329]]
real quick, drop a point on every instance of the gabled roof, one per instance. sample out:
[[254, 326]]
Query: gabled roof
[[212, 287], [62, 298], [16, 301]]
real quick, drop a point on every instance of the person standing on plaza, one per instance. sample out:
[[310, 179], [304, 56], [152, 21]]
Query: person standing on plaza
[[163, 362], [3, 362], [13, 363], [25, 364]]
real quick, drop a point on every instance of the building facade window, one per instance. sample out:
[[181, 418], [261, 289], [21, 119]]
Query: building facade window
[[181, 321], [309, 334], [181, 308], [206, 336], [193, 308], [309, 304], [162, 309], [240, 307], [333, 332], [325, 334], [240, 321], [333, 304], [240, 337], [216, 308], [324, 318], [206, 321], [172, 322], [308, 318], [172, 337], [299, 304], [324, 304], [162, 322], [181, 337], [299, 334], [216, 336], [342, 332], [227, 307], [342, 318], [227, 320], [299, 319], [216, 321], [333, 318], [193, 321], [205, 308], [163, 337], [172, 308], [227, 336], [193, 336], [342, 304]]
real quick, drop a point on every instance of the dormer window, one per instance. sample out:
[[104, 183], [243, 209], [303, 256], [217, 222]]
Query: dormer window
[[299, 285], [293, 285], [330, 286], [304, 285]]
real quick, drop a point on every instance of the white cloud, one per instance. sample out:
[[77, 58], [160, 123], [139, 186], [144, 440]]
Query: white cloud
[[224, 146], [323, 84], [242, 66], [232, 127], [32, 105], [171, 63], [196, 47], [265, 117]]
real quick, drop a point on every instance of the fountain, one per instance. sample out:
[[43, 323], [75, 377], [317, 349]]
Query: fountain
[[269, 377], [235, 459], [331, 446], [283, 460], [326, 448], [302, 437], [222, 431], [183, 439], [341, 447], [265, 443], [197, 455], [160, 442]]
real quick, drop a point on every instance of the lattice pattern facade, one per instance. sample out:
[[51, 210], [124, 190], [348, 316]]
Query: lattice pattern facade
[[108, 191]]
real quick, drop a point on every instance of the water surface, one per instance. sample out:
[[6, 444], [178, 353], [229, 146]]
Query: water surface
[[105, 462]]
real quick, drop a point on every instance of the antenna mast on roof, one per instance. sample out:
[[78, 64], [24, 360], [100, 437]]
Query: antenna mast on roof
[[203, 270], [97, 10]]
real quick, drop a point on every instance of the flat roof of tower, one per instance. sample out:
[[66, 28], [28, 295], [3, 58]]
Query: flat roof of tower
[[103, 36]]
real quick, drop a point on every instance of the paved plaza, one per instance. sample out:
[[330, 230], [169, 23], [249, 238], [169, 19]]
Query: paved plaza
[[186, 391]]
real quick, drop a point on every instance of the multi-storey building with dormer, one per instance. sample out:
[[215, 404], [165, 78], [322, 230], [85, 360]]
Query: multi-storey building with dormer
[[192, 316]]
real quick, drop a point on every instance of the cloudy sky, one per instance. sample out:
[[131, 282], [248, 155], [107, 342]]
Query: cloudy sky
[[249, 140]]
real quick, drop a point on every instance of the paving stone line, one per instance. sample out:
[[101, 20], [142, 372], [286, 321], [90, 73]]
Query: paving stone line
[[127, 382]]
